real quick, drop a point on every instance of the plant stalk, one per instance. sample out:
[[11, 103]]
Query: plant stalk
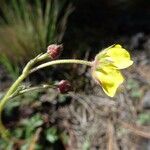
[[3, 131], [28, 70], [62, 61], [36, 88]]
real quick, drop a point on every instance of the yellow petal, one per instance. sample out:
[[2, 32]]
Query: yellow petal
[[119, 57], [109, 78]]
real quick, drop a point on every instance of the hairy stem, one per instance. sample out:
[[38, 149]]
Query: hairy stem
[[3, 131], [62, 61], [43, 87], [27, 70]]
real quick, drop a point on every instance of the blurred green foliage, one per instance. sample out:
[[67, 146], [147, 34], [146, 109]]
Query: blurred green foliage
[[134, 88], [12, 68], [25, 131], [144, 118], [30, 124], [4, 145], [86, 145], [28, 27], [26, 126], [51, 134]]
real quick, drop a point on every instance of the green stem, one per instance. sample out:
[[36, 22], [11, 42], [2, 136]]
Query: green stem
[[3, 131], [43, 87], [27, 70], [11, 90], [62, 61]]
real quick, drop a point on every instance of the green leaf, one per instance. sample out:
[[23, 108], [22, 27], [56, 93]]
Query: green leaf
[[144, 118], [86, 145], [51, 135]]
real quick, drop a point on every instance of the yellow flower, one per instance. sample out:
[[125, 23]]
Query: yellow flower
[[107, 65]]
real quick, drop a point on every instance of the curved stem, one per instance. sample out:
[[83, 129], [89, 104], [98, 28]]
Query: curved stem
[[26, 71], [21, 78], [43, 87], [62, 61], [11, 90], [3, 131]]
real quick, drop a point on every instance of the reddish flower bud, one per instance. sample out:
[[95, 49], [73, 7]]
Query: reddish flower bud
[[64, 86], [54, 50]]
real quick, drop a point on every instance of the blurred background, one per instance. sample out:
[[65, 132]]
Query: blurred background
[[85, 119]]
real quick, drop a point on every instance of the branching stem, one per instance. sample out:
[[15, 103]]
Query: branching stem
[[28, 70], [31, 89]]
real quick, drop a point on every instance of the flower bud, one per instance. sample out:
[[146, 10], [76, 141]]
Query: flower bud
[[54, 50], [64, 86]]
